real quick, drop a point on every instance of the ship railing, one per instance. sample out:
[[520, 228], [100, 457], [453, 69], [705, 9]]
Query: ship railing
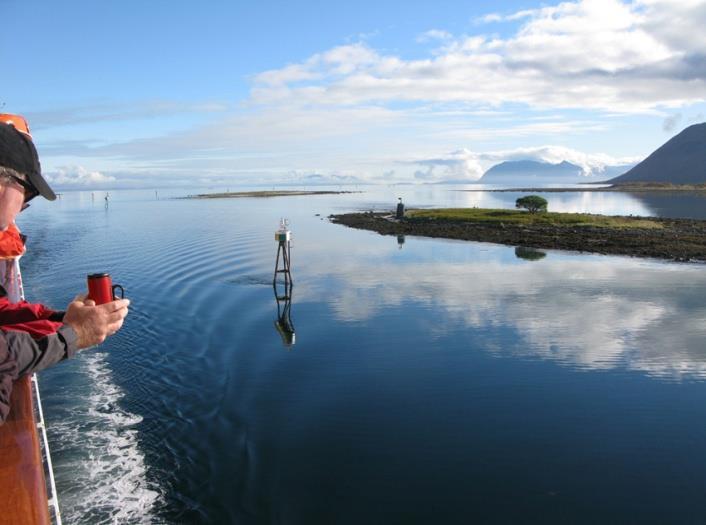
[[52, 494]]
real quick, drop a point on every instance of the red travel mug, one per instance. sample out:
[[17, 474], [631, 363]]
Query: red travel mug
[[101, 288]]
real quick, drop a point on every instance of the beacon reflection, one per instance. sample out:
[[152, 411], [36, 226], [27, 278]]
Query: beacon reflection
[[284, 324]]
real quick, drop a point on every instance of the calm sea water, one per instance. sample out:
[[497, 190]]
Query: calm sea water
[[431, 381]]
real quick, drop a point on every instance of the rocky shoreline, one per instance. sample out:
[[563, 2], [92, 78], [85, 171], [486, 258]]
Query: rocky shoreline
[[677, 239]]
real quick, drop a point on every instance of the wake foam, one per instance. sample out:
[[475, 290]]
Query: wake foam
[[100, 471]]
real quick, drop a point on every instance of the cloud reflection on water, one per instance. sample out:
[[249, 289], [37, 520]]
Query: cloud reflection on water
[[588, 312]]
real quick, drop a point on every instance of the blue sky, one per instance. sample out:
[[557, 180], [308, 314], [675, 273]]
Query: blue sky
[[123, 94]]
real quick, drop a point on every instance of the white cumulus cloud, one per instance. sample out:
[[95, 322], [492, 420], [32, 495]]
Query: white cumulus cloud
[[461, 165], [601, 54], [434, 34], [78, 176]]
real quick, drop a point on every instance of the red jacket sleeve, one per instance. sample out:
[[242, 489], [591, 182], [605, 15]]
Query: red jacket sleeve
[[35, 319], [22, 354], [23, 312]]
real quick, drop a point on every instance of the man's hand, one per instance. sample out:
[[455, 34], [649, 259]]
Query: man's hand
[[94, 323]]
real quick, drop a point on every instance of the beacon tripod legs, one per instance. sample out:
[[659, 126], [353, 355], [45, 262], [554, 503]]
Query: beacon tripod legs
[[284, 251]]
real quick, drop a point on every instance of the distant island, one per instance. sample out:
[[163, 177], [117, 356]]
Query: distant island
[[510, 172], [678, 165], [533, 171], [675, 239], [263, 194]]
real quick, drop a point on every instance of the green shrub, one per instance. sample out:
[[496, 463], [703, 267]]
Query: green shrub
[[532, 203]]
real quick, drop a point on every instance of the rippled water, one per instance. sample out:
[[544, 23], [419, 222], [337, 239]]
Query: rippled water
[[431, 381]]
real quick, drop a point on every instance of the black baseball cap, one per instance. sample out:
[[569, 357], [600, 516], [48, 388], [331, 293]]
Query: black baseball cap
[[17, 152]]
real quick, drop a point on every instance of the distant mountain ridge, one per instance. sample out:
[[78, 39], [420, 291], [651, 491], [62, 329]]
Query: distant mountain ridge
[[524, 171], [680, 160]]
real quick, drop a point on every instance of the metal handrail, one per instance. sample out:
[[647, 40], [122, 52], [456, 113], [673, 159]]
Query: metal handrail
[[53, 501]]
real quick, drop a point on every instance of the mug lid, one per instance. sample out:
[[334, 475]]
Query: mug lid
[[98, 275]]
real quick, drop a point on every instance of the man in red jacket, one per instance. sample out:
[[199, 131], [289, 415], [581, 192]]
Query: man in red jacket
[[33, 337]]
